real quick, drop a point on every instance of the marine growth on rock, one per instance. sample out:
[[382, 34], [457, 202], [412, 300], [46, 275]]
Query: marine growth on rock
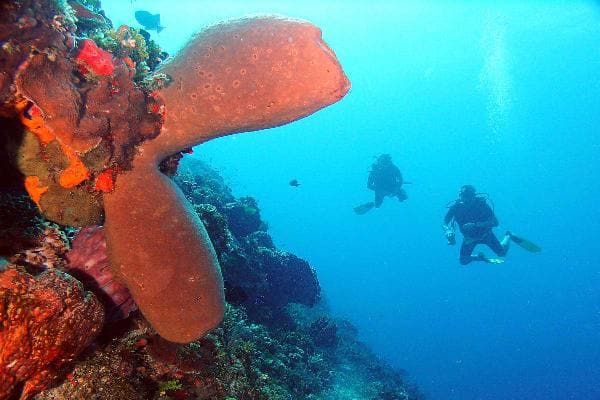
[[45, 322], [239, 76], [87, 140]]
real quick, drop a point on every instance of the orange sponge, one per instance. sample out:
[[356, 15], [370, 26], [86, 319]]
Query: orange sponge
[[76, 172], [239, 76], [35, 189]]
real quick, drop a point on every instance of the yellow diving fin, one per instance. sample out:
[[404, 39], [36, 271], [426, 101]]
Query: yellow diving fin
[[526, 244]]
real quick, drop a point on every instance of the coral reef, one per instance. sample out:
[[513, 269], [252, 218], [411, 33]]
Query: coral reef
[[45, 322], [20, 226], [266, 347], [323, 332], [91, 132], [257, 276], [135, 48], [270, 81], [56, 92], [47, 253], [275, 352], [243, 216], [86, 140]]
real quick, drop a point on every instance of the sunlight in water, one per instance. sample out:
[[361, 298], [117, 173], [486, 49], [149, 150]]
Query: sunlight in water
[[495, 77]]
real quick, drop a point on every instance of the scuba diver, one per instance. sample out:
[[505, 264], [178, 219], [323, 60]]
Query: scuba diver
[[476, 219], [385, 179]]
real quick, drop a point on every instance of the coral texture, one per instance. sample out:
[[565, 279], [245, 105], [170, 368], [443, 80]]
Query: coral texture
[[72, 110], [95, 60], [88, 262], [239, 76], [295, 353], [19, 222], [86, 141], [47, 253], [45, 321]]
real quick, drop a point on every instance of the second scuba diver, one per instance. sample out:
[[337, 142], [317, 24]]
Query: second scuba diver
[[385, 179], [475, 220]]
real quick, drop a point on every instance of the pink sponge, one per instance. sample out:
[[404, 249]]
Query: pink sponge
[[238, 76]]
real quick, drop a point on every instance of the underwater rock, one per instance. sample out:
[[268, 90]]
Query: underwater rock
[[24, 26], [243, 216], [201, 184], [259, 239], [323, 332], [239, 76], [20, 223], [48, 252], [264, 281], [69, 206], [290, 279], [46, 321], [216, 227]]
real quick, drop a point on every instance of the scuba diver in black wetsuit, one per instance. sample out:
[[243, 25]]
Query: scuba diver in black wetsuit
[[475, 219], [385, 179]]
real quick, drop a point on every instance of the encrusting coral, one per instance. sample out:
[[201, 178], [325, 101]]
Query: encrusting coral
[[72, 110], [45, 321], [87, 135], [239, 76]]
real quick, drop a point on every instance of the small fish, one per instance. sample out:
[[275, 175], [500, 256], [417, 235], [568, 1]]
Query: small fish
[[294, 183], [150, 22]]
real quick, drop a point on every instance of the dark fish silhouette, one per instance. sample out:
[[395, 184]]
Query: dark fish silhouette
[[294, 183], [150, 22]]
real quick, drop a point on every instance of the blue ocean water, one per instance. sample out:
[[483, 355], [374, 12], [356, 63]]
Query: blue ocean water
[[504, 97]]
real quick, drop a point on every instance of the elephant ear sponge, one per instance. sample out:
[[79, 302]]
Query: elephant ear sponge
[[239, 76], [247, 75]]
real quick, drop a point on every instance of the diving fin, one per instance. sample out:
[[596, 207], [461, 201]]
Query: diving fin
[[363, 208], [481, 257], [524, 243]]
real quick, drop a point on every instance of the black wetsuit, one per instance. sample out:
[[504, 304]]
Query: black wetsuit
[[386, 180], [475, 211]]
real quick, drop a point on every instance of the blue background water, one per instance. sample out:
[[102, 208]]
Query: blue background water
[[506, 98]]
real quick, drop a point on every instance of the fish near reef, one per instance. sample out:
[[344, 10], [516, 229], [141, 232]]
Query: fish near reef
[[239, 76], [149, 21]]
